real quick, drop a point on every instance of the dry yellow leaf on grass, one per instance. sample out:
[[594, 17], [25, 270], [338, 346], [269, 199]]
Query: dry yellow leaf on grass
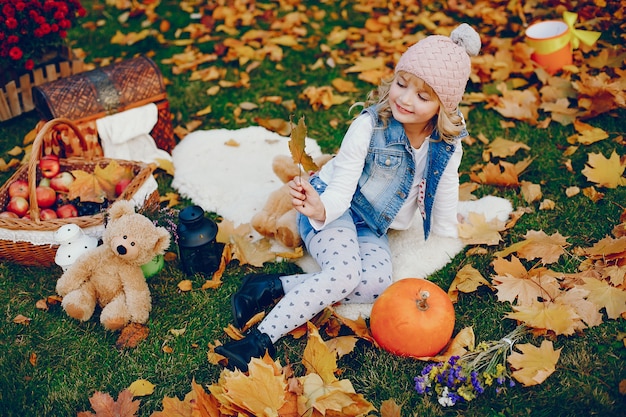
[[548, 316], [477, 231], [531, 192], [534, 364], [242, 391], [605, 172], [502, 148], [141, 387], [602, 294], [185, 285], [468, 279]]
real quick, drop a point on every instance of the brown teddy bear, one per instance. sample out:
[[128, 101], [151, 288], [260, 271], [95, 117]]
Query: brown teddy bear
[[277, 218], [110, 275]]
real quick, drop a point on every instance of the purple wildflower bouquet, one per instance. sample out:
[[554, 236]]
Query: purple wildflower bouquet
[[463, 378], [30, 28]]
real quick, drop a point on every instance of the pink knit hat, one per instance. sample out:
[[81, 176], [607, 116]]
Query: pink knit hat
[[443, 63]]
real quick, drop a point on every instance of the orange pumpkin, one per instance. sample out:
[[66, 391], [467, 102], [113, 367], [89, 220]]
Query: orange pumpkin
[[413, 317]]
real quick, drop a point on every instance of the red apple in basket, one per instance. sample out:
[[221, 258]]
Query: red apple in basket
[[18, 205], [46, 196], [47, 214], [121, 186], [67, 210], [9, 214], [62, 181], [19, 188], [49, 165]]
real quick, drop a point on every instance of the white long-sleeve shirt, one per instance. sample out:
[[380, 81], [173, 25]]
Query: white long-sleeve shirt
[[342, 174]]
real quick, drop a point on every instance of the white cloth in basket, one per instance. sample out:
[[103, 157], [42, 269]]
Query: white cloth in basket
[[126, 135]]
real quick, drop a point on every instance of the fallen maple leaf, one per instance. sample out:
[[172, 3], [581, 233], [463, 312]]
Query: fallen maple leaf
[[548, 316], [538, 245], [534, 364], [602, 294], [131, 335], [240, 391], [105, 406], [389, 408], [605, 172], [467, 280], [501, 174], [531, 192], [100, 184], [317, 357], [502, 148], [20, 319], [477, 231]]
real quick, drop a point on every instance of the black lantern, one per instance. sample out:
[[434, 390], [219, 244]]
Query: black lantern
[[199, 252]]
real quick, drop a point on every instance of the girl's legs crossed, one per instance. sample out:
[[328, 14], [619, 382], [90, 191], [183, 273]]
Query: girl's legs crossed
[[336, 250]]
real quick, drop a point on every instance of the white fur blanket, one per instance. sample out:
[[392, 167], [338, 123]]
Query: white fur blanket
[[230, 172]]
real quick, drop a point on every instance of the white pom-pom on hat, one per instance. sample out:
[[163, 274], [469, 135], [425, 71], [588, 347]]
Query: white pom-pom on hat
[[464, 35], [443, 63]]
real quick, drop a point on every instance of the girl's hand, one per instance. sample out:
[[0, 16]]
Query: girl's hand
[[306, 200]]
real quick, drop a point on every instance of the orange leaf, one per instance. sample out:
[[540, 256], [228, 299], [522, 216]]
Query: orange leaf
[[100, 184], [104, 405], [297, 143], [468, 279]]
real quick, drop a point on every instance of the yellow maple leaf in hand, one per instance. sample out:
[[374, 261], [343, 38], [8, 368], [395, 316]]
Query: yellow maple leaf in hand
[[297, 144], [605, 172], [534, 364]]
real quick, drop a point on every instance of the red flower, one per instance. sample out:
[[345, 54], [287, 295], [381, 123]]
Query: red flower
[[30, 27], [15, 53], [11, 23]]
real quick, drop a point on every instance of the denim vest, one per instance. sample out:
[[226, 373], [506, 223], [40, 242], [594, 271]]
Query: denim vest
[[388, 174]]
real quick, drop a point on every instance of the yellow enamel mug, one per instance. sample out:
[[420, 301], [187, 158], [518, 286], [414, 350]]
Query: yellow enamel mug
[[551, 43]]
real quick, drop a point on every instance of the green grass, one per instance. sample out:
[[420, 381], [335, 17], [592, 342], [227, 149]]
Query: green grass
[[73, 360]]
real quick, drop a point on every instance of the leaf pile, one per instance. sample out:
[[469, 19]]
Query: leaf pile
[[318, 393]]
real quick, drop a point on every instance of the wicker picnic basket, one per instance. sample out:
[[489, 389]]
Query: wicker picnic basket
[[29, 241]]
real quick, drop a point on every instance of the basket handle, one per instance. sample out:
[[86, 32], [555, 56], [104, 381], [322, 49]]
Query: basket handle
[[36, 154]]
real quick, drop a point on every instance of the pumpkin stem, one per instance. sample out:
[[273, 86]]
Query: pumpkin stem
[[422, 303]]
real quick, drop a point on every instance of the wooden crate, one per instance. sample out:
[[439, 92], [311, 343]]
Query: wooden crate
[[16, 96]]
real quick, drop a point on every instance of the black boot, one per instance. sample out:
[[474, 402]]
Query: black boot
[[257, 292], [240, 352]]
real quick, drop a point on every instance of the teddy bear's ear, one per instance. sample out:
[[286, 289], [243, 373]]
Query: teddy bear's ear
[[163, 240], [121, 208]]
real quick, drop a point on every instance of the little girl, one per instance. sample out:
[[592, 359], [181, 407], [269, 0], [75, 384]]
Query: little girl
[[400, 156]]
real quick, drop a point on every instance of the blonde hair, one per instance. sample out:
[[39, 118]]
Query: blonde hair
[[449, 124]]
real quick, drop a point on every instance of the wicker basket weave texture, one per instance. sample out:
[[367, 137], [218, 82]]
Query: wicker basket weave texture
[[107, 90], [28, 253]]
